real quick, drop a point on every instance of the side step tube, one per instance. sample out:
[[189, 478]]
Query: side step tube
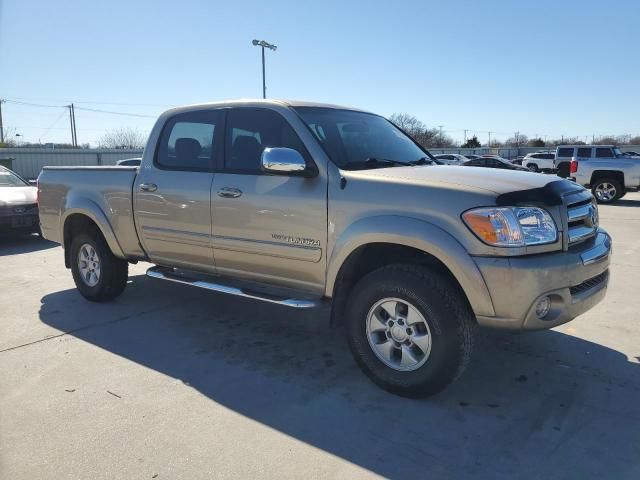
[[166, 274]]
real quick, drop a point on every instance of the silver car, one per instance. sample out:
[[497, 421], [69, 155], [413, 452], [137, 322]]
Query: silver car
[[18, 204]]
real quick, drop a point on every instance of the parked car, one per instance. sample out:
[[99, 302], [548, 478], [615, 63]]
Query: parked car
[[518, 160], [539, 162], [603, 168], [471, 156], [129, 162], [451, 158], [298, 204], [18, 205], [631, 154], [493, 162]]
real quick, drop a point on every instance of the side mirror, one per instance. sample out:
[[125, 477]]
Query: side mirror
[[285, 161]]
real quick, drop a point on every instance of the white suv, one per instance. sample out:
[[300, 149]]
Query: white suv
[[539, 162]]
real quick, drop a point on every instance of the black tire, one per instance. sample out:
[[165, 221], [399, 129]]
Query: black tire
[[602, 181], [446, 312], [113, 271], [533, 167]]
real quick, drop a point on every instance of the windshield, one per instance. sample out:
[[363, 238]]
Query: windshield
[[617, 151], [356, 140], [10, 179]]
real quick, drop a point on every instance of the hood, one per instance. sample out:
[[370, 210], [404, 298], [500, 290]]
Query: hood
[[17, 195], [505, 183]]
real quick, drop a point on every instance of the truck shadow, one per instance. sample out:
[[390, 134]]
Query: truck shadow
[[545, 401], [17, 244]]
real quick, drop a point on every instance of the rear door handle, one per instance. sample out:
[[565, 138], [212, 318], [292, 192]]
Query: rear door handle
[[229, 192], [148, 187]]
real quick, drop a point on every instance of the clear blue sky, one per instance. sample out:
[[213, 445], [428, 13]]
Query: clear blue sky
[[546, 67]]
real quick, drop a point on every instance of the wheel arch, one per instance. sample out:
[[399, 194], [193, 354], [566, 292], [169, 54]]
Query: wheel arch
[[84, 215], [370, 243], [602, 174]]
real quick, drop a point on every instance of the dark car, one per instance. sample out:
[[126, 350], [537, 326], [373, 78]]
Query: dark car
[[18, 204], [472, 157], [493, 162]]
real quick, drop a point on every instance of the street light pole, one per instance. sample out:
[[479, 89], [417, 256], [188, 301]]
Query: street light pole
[[264, 81], [262, 44]]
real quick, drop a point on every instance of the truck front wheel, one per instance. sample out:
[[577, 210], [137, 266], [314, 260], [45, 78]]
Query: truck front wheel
[[409, 329], [98, 274]]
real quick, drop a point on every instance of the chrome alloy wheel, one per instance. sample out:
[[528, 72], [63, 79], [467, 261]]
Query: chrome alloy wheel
[[605, 192], [398, 334], [89, 265]]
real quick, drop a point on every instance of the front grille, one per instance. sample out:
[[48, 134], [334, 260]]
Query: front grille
[[582, 219], [591, 283]]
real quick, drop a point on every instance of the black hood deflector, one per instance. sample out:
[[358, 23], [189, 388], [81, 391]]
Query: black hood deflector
[[551, 194]]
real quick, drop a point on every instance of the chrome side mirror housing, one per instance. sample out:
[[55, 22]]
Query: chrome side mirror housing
[[285, 161]]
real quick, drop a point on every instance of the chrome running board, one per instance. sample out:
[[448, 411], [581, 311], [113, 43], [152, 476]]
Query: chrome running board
[[170, 275]]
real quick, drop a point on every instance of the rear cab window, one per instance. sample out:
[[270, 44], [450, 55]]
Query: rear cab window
[[584, 152]]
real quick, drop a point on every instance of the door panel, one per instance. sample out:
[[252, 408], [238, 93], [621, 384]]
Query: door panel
[[270, 228], [173, 192], [174, 221], [275, 231]]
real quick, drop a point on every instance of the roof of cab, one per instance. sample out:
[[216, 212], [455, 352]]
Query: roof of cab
[[257, 102]]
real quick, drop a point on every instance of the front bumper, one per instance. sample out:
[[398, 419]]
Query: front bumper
[[23, 222], [574, 280]]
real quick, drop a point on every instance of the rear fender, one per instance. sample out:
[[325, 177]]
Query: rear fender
[[90, 209]]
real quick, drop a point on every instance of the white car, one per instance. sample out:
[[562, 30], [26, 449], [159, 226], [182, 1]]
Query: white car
[[451, 158], [539, 162]]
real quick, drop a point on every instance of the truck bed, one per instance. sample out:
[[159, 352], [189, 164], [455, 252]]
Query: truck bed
[[105, 191]]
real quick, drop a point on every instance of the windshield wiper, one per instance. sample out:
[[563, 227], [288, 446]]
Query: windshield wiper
[[374, 162], [422, 161]]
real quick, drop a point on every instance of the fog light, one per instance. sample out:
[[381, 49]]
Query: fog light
[[543, 306]]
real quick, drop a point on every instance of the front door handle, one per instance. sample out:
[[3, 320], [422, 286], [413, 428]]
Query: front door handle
[[229, 192], [148, 187]]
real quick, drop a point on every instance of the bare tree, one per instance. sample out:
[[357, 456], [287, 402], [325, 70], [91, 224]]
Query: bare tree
[[517, 140], [427, 137], [125, 137]]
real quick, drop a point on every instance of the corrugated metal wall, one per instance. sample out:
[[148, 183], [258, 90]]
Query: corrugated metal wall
[[28, 162]]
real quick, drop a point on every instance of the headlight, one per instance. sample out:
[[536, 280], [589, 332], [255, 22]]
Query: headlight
[[511, 226]]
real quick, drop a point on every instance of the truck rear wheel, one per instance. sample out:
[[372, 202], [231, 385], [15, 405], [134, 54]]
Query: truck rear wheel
[[409, 329], [606, 190], [99, 275]]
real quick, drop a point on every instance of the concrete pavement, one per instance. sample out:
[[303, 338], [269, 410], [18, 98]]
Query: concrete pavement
[[172, 382]]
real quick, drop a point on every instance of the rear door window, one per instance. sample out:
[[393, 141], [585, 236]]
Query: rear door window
[[565, 152], [584, 152], [187, 141], [604, 152]]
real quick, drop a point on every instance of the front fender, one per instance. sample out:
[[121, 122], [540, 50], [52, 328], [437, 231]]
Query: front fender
[[88, 208], [418, 234]]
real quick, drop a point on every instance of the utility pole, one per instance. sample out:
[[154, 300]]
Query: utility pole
[[1, 127], [75, 132], [263, 45], [489, 144], [516, 137], [465, 136], [440, 127]]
